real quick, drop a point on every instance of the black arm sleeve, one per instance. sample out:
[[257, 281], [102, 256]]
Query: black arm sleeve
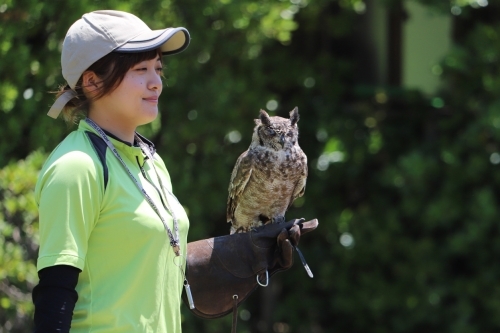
[[54, 298]]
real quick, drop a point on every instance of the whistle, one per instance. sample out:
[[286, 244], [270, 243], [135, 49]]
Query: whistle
[[189, 295]]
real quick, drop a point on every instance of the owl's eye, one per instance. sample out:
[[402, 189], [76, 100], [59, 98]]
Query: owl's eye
[[290, 134], [272, 132]]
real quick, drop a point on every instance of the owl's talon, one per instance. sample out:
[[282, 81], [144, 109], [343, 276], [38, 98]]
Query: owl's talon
[[278, 219]]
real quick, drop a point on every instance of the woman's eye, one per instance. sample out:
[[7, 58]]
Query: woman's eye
[[159, 69]]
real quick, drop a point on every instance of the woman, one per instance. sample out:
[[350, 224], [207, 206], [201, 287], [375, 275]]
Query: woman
[[113, 237]]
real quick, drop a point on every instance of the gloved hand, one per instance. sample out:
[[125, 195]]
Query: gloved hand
[[287, 240], [223, 271]]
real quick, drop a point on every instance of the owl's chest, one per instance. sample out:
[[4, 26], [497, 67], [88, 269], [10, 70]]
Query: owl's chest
[[278, 165]]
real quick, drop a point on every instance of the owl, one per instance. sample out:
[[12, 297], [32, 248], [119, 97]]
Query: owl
[[269, 176]]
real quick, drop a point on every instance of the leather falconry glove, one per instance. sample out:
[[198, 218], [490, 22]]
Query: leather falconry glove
[[223, 271]]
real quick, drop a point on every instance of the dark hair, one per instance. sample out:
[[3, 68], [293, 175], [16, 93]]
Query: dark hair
[[111, 69]]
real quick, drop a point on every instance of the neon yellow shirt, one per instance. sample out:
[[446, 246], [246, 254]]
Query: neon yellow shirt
[[129, 281]]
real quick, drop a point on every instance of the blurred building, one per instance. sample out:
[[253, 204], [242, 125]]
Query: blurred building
[[407, 42]]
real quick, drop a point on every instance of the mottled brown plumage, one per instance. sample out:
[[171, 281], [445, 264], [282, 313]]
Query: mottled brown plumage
[[269, 176]]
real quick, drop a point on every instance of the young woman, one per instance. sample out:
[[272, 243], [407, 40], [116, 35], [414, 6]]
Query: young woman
[[113, 237]]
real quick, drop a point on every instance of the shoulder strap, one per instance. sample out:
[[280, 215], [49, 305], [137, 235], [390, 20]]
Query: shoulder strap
[[100, 148]]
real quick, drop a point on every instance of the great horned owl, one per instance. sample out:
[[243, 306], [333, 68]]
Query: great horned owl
[[269, 176]]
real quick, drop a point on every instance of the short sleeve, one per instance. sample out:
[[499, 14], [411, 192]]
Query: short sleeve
[[69, 193]]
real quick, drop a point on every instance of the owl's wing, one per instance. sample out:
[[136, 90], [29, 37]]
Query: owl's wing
[[300, 187], [239, 178]]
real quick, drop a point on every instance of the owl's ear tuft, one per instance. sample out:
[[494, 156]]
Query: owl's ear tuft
[[264, 118], [294, 116]]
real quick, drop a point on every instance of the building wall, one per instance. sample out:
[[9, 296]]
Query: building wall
[[426, 39]]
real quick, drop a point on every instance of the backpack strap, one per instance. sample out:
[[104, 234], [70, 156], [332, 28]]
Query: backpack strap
[[100, 148]]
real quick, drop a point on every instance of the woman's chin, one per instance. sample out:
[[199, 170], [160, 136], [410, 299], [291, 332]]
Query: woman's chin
[[149, 117]]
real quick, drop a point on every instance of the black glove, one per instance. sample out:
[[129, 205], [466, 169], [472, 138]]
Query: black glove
[[224, 271]]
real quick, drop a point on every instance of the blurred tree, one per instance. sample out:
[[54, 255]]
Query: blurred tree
[[404, 185], [18, 242]]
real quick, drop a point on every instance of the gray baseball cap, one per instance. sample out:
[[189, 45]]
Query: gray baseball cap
[[101, 32]]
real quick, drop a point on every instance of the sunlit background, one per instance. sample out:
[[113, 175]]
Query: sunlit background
[[399, 104]]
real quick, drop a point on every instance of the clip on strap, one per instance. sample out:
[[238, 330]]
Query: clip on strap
[[60, 102], [267, 280]]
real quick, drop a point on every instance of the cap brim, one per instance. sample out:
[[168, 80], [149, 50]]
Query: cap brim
[[170, 40]]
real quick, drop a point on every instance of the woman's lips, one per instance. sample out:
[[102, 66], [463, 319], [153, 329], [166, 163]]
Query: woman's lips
[[151, 99]]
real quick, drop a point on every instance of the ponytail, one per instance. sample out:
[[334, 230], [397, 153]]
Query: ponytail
[[77, 107]]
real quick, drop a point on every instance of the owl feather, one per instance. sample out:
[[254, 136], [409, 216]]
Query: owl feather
[[269, 176]]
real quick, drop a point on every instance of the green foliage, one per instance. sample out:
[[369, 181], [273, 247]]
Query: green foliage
[[405, 186], [18, 242]]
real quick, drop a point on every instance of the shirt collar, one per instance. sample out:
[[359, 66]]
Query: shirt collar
[[122, 146]]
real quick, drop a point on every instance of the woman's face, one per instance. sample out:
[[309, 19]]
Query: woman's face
[[135, 101]]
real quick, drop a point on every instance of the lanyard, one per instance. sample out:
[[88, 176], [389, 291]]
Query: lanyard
[[174, 241]]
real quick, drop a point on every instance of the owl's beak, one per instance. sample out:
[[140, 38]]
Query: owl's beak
[[282, 140]]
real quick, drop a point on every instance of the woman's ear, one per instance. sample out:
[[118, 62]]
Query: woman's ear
[[90, 83]]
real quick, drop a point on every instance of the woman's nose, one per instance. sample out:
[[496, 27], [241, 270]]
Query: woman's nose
[[155, 82]]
